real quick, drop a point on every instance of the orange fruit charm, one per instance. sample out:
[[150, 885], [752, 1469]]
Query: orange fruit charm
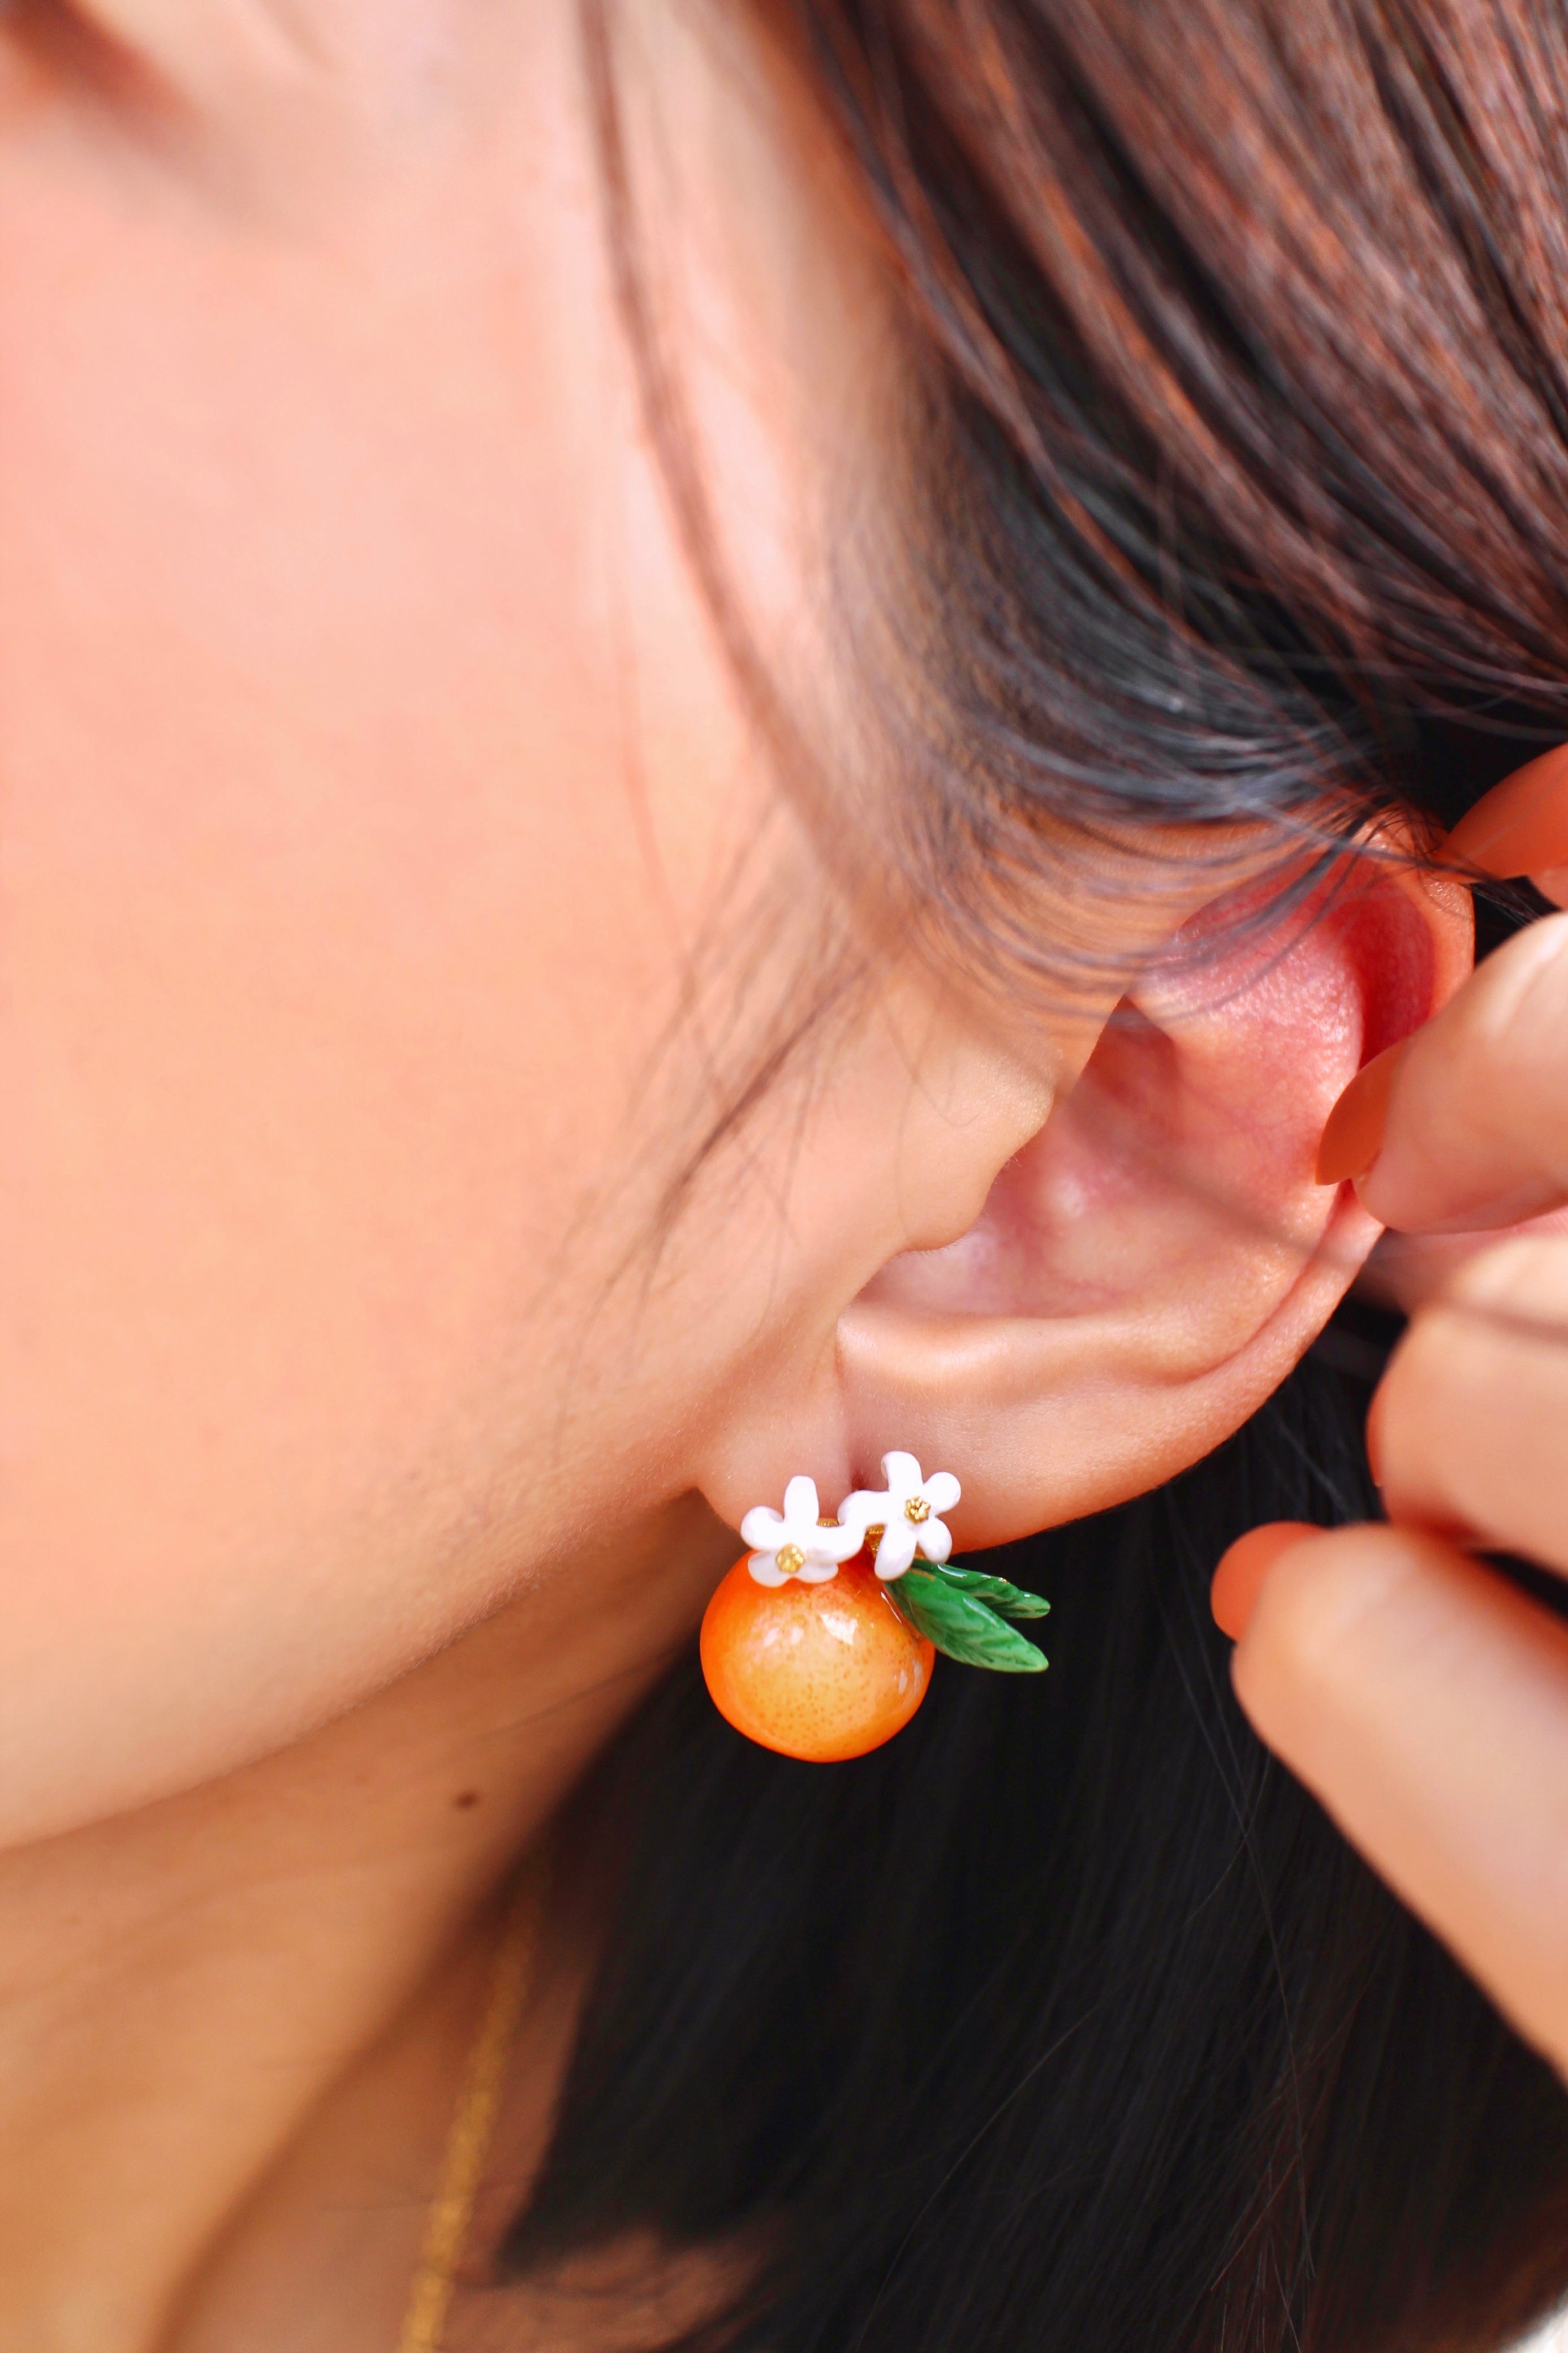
[[820, 1672]]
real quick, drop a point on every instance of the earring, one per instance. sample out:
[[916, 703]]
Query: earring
[[820, 1642]]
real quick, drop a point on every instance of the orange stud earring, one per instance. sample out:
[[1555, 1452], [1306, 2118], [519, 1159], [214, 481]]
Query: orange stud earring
[[820, 1642]]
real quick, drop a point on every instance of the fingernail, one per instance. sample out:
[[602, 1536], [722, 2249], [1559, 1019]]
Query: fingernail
[[1352, 1133], [1521, 826], [1238, 1579]]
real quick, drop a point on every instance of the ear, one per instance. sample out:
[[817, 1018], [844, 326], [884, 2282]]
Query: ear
[[1148, 1267]]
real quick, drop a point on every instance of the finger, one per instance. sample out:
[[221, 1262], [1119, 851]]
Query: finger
[[1407, 1271], [1521, 826], [1426, 1702], [1467, 1427], [1239, 1579], [1477, 1124]]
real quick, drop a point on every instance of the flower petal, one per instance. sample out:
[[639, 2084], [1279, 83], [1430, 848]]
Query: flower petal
[[834, 1544], [764, 1527], [943, 1491], [934, 1539], [864, 1509], [902, 1473], [765, 1569], [801, 1506], [897, 1549]]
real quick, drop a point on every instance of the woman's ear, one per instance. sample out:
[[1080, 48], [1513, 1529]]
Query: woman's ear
[[1150, 1266]]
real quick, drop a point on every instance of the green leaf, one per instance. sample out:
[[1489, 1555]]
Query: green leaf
[[1011, 1601], [961, 1626]]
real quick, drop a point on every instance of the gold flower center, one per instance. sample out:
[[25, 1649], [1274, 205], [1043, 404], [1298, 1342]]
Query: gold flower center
[[791, 1559], [917, 1509]]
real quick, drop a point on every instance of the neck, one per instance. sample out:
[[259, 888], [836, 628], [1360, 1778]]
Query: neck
[[183, 1989]]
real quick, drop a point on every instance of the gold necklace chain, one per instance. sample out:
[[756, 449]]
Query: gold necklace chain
[[474, 2122]]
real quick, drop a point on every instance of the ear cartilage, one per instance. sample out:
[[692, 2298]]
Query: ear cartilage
[[819, 1643]]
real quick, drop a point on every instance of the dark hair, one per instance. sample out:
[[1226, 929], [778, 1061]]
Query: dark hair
[[1067, 2021], [1241, 364]]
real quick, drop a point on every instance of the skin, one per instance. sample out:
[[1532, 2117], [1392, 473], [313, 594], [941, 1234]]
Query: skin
[[1425, 1699], [394, 889]]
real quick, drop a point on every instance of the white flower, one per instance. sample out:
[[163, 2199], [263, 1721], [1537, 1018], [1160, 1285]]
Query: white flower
[[795, 1546], [907, 1512]]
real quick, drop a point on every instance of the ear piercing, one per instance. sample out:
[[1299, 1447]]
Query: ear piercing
[[820, 1642]]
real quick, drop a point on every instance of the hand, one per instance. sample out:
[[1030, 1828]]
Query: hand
[[1423, 1697]]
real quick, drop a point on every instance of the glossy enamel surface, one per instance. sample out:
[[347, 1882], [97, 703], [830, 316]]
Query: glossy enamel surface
[[819, 1672]]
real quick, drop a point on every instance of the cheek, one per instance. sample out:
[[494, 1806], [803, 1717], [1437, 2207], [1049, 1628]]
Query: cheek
[[304, 1109], [282, 1132], [333, 952]]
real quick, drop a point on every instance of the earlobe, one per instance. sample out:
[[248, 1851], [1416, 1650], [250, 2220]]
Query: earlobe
[[1150, 1266]]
